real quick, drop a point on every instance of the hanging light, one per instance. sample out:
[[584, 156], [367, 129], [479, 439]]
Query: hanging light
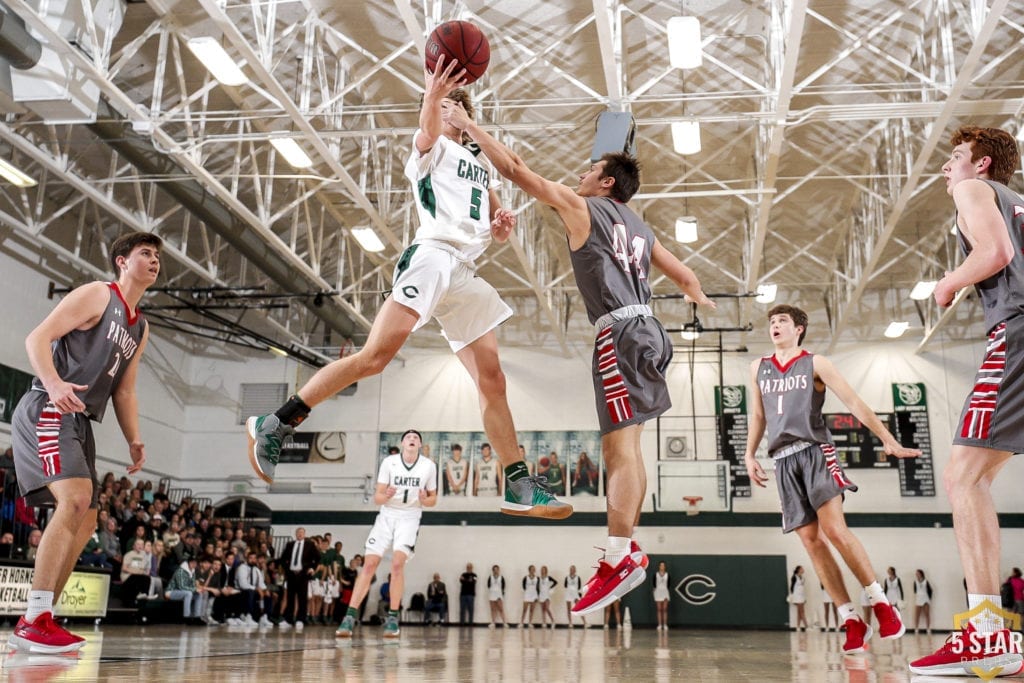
[[896, 329], [766, 293], [216, 60], [686, 229], [922, 290], [686, 137], [691, 330], [291, 152], [15, 176], [684, 46], [368, 239]]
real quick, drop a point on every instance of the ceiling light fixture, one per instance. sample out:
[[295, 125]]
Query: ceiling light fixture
[[15, 176], [896, 329], [766, 293], [922, 290], [368, 240], [216, 60], [291, 152], [686, 137], [684, 46], [686, 229]]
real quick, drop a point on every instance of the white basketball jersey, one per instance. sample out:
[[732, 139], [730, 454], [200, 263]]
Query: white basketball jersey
[[452, 201], [458, 469], [488, 470], [409, 480]]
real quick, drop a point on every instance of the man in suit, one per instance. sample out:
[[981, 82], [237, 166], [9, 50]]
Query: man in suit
[[299, 558]]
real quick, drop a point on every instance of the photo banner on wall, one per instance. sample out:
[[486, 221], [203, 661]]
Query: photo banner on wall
[[469, 466]]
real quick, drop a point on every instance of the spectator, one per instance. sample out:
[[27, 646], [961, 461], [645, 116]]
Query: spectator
[[923, 599], [437, 600], [613, 609], [93, 554], [34, 537], [893, 588], [467, 595], [830, 608], [348, 578], [134, 573], [332, 591], [544, 585], [1017, 583], [660, 583], [219, 592], [204, 597], [385, 599], [530, 584], [274, 578], [111, 544], [798, 596], [317, 584], [496, 596], [573, 590], [183, 587], [253, 590], [238, 544]]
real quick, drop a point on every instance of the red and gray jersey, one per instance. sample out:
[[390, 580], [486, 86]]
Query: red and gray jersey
[[612, 265], [99, 356], [1002, 294], [792, 406]]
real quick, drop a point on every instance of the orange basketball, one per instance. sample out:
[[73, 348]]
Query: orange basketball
[[460, 41]]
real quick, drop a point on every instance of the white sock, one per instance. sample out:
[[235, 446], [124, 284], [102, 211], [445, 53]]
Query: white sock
[[987, 621], [876, 595], [847, 611], [38, 602], [618, 548]]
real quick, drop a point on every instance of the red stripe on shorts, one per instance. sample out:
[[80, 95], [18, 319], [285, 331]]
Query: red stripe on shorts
[[48, 437], [616, 394], [977, 420]]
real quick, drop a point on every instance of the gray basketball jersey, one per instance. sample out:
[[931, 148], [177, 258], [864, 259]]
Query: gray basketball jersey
[[99, 356], [612, 265], [792, 406], [1002, 295]]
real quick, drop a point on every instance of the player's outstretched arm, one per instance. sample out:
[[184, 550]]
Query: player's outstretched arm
[[679, 273], [755, 430], [827, 373], [126, 408], [437, 84], [985, 229]]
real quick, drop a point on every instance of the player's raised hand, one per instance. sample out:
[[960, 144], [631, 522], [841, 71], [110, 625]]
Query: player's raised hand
[[756, 472], [443, 79]]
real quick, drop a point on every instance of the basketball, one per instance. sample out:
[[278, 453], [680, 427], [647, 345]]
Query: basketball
[[463, 42], [545, 461]]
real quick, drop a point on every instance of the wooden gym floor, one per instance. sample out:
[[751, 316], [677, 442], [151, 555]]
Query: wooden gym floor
[[423, 653]]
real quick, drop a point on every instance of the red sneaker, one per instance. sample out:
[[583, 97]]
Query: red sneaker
[[857, 633], [44, 635], [609, 584], [970, 653], [639, 556], [889, 623]]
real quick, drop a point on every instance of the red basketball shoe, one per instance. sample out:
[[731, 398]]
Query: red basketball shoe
[[609, 584], [971, 653], [639, 556], [857, 634], [889, 623], [44, 635]]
